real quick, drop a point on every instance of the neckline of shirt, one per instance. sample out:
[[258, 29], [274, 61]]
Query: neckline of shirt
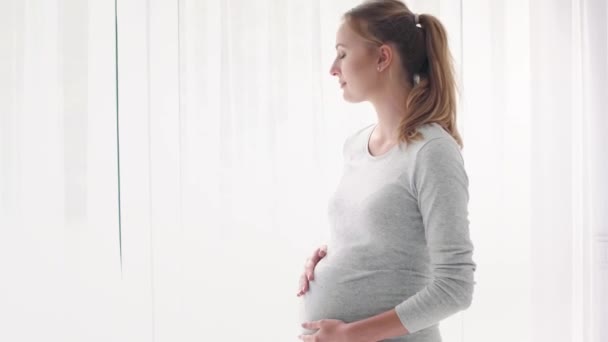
[[380, 156]]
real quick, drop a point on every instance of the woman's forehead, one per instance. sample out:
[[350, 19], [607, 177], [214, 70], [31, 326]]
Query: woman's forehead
[[344, 36], [347, 38]]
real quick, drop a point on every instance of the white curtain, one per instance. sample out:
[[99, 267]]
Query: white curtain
[[535, 85], [59, 238], [165, 175]]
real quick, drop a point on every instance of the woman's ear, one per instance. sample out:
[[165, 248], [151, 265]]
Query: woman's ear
[[384, 57]]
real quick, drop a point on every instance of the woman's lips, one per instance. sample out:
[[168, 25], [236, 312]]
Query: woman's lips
[[342, 85]]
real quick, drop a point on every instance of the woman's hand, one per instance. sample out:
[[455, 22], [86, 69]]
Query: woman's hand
[[309, 268], [329, 330]]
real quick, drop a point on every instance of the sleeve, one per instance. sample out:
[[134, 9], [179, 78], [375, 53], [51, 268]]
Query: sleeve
[[440, 183]]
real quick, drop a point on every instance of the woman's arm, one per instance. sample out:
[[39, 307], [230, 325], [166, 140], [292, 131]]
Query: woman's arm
[[440, 183], [377, 328]]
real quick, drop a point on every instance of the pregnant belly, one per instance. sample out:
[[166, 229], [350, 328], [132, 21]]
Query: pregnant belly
[[350, 294]]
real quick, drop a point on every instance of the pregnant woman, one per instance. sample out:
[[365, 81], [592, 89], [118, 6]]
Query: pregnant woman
[[399, 259]]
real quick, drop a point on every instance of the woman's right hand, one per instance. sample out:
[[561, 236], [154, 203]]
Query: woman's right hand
[[309, 268]]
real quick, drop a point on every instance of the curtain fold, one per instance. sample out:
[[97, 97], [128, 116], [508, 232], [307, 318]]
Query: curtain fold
[[59, 248], [594, 216]]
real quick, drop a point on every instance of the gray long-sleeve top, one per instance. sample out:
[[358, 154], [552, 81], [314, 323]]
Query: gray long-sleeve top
[[399, 236]]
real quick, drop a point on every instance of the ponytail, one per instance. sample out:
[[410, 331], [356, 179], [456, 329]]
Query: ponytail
[[433, 97]]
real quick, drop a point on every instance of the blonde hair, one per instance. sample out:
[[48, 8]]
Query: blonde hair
[[424, 52]]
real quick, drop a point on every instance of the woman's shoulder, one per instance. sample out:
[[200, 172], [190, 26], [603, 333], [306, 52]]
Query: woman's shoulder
[[434, 134], [438, 145], [430, 131], [433, 130]]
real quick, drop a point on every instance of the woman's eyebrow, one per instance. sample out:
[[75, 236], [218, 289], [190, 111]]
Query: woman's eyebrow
[[339, 45]]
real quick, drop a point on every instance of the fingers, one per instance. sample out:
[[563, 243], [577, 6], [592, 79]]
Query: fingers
[[306, 337], [318, 254], [323, 248], [309, 267], [313, 324], [303, 285], [312, 262]]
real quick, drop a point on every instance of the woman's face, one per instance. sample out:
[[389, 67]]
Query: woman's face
[[354, 66]]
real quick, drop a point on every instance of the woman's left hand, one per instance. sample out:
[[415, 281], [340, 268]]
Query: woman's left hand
[[330, 330]]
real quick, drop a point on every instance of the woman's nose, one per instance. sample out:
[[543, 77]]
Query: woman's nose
[[333, 71]]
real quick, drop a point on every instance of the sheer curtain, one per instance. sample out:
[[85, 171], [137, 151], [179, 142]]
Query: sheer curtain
[[165, 175], [535, 80], [59, 237]]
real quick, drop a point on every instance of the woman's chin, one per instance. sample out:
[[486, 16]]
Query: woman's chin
[[348, 98]]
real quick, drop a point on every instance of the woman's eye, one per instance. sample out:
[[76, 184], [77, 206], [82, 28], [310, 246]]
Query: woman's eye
[[340, 57]]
